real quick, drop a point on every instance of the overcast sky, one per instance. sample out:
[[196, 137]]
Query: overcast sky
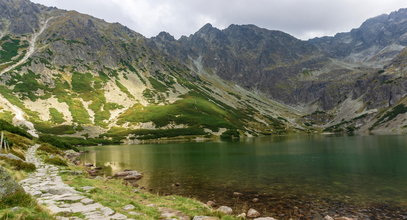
[[301, 18]]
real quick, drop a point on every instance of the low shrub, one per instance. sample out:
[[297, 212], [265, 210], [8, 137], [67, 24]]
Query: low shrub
[[56, 161], [50, 149], [19, 165]]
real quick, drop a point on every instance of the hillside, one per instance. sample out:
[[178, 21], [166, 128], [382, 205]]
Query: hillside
[[70, 74]]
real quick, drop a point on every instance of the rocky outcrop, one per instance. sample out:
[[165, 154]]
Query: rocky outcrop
[[8, 186]]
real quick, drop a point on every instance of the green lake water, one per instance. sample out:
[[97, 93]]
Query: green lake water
[[292, 176]]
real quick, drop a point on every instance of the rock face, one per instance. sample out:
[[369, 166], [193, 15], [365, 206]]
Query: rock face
[[8, 185]]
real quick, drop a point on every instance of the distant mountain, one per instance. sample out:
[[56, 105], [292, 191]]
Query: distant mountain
[[328, 74]]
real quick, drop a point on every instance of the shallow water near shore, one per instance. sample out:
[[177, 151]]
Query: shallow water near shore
[[298, 177]]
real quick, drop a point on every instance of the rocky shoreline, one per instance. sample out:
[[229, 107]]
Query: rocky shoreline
[[253, 205]]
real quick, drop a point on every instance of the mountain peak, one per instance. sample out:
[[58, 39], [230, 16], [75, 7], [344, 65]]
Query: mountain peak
[[165, 36]]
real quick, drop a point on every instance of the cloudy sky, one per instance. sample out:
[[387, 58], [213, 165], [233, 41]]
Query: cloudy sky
[[301, 18]]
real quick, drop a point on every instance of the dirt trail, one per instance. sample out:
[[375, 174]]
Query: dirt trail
[[31, 48]]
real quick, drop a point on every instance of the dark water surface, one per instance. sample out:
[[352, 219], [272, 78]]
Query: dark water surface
[[298, 177]]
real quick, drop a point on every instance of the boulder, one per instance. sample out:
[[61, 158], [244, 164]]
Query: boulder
[[328, 218], [252, 213], [130, 173], [225, 209], [8, 185]]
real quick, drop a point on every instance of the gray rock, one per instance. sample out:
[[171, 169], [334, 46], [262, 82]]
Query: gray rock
[[129, 207], [87, 201], [87, 188], [252, 213], [11, 156], [8, 185], [225, 209]]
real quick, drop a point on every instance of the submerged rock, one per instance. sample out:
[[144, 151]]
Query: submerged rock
[[211, 204], [225, 209], [252, 213], [129, 175], [265, 218]]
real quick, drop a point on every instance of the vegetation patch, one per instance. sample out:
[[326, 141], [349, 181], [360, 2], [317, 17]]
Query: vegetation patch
[[192, 110], [6, 126], [48, 128], [19, 164], [147, 134], [55, 160], [56, 116], [390, 115]]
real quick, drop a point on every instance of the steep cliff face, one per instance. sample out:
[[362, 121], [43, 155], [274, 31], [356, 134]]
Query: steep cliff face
[[75, 75]]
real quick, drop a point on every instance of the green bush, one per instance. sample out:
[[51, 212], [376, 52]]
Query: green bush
[[5, 126], [55, 160], [50, 149]]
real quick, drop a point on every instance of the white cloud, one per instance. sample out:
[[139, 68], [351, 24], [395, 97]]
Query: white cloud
[[301, 18]]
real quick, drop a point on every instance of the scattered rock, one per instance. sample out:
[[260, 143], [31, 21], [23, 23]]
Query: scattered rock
[[328, 218], [211, 204], [176, 185], [205, 218], [129, 207], [225, 209], [129, 175], [265, 218], [11, 156], [87, 188], [237, 194], [252, 213], [167, 213], [15, 209], [243, 215], [88, 165], [256, 200], [344, 218], [87, 201], [134, 213]]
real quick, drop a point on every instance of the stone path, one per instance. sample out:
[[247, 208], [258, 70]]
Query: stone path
[[49, 189]]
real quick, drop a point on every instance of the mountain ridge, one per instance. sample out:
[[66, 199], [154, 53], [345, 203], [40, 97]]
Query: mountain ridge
[[89, 78]]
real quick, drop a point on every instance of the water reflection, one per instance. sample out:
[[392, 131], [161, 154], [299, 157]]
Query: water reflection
[[366, 168]]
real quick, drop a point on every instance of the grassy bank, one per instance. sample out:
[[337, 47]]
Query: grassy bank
[[113, 193]]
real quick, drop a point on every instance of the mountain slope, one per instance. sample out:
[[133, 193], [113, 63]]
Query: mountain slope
[[76, 75], [341, 76]]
